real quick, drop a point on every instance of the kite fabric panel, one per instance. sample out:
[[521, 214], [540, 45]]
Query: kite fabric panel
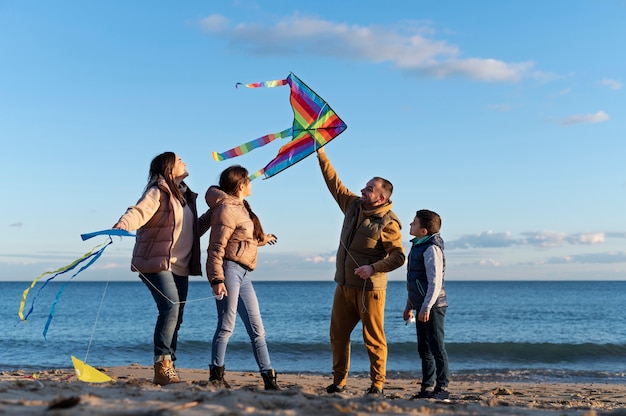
[[86, 260], [314, 124], [87, 373]]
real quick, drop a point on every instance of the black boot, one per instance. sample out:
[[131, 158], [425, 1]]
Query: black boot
[[217, 378], [269, 378]]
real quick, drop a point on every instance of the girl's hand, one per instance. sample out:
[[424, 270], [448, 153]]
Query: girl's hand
[[219, 291], [270, 239]]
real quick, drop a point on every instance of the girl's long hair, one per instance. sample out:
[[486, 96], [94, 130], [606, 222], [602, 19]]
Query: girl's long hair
[[230, 179], [163, 165]]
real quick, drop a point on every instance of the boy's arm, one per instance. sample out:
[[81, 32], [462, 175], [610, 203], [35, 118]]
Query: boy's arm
[[433, 261]]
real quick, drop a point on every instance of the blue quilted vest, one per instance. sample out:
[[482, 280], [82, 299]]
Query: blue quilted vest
[[417, 281]]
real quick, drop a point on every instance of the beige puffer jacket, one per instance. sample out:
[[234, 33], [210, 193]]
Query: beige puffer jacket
[[231, 236]]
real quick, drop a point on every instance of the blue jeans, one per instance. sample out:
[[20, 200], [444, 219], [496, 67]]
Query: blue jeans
[[241, 299], [167, 290], [432, 350]]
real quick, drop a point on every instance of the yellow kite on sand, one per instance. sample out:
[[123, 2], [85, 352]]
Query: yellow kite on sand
[[87, 373]]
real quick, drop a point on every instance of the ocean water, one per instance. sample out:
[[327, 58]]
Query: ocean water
[[521, 330]]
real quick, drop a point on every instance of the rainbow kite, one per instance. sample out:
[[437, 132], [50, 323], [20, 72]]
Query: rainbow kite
[[314, 125]]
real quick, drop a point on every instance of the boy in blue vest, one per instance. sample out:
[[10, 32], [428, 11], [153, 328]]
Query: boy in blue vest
[[427, 295]]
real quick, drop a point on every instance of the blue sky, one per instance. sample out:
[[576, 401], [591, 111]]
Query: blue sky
[[507, 118]]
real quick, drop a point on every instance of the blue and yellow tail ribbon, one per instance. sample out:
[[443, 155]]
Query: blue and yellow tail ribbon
[[88, 258]]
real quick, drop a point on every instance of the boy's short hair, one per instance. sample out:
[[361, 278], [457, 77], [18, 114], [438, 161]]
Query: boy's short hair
[[429, 220]]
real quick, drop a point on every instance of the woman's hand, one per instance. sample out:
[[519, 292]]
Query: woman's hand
[[270, 239]]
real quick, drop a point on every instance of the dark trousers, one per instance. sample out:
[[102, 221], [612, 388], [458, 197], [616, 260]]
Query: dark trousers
[[432, 350]]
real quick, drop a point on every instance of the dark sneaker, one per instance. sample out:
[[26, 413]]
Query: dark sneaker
[[374, 392], [424, 394], [441, 394], [333, 388]]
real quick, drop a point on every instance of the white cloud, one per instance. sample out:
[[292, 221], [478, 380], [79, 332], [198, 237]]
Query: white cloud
[[587, 238], [595, 258], [407, 48], [489, 70], [17, 224], [215, 23], [545, 239], [489, 263], [320, 259], [598, 117], [109, 266], [611, 84], [556, 239], [540, 239], [484, 240]]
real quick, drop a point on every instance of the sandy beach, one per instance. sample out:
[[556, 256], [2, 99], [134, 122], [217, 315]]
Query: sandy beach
[[132, 393]]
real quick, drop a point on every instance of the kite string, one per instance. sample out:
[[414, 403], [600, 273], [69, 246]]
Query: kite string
[[62, 270], [96, 321], [364, 310], [147, 281], [95, 257]]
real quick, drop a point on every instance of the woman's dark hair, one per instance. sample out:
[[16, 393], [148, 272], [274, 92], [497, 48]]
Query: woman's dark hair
[[163, 165], [230, 179], [429, 220]]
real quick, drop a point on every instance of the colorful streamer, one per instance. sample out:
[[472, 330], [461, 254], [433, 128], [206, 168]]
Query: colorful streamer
[[246, 147], [266, 84], [87, 259], [314, 125], [110, 232]]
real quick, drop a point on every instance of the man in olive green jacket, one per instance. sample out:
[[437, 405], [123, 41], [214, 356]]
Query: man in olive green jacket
[[370, 247]]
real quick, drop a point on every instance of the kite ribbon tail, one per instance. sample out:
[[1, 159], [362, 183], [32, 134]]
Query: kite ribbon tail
[[55, 273], [266, 84], [109, 232], [251, 145], [257, 174], [60, 292]]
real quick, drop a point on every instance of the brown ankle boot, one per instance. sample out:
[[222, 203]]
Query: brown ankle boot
[[164, 373]]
